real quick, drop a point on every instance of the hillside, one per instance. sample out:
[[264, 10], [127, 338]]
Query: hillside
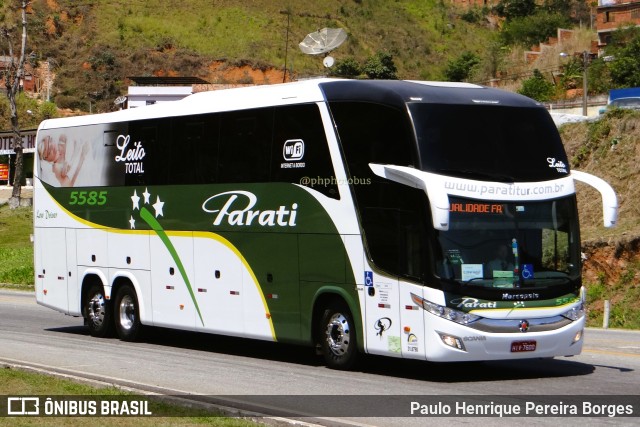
[[610, 149], [92, 46]]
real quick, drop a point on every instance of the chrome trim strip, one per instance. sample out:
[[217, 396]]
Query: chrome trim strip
[[512, 326]]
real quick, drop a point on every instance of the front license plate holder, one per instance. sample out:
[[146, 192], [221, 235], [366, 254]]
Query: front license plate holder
[[522, 346]]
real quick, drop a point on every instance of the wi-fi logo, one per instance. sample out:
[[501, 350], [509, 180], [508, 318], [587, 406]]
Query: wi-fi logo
[[293, 150]]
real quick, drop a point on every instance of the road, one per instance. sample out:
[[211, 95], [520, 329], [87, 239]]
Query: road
[[174, 362]]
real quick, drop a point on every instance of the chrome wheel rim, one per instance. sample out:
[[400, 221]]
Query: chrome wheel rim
[[338, 334], [96, 309], [127, 312]]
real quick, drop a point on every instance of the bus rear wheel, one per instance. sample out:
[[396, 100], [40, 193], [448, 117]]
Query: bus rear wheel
[[337, 335], [127, 314], [97, 312]]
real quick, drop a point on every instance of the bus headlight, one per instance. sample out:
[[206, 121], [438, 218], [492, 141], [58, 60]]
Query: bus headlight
[[445, 312], [577, 312], [452, 341]]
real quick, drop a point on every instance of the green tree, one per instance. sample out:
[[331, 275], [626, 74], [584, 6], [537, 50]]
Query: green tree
[[380, 66], [348, 67], [537, 87], [48, 110], [461, 68], [624, 50], [599, 78], [572, 73], [531, 30], [511, 9]]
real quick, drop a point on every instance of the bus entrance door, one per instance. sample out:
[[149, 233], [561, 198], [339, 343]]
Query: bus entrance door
[[382, 319]]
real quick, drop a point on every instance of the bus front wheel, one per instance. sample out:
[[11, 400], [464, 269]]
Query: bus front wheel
[[97, 312], [337, 335], [127, 314]]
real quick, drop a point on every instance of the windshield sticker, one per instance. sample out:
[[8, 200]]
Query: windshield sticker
[[471, 271]]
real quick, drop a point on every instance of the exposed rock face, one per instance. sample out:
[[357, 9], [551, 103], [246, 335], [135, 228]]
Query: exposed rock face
[[609, 259]]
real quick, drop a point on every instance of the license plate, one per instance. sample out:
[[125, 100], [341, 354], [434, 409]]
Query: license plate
[[520, 346]]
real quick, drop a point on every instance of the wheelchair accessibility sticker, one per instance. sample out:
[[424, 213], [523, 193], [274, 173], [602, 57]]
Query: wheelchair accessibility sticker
[[527, 271], [368, 278]]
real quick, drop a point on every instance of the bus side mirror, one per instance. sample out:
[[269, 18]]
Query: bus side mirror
[[438, 198], [609, 198]]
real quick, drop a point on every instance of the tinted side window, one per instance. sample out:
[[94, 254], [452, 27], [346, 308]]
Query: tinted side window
[[196, 139], [300, 150], [393, 216], [148, 170], [373, 133], [245, 146]]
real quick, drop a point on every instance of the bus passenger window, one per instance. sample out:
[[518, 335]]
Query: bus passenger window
[[146, 171], [245, 144], [196, 137], [300, 150]]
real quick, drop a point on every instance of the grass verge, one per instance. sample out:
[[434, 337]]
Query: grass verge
[[16, 249], [15, 382]]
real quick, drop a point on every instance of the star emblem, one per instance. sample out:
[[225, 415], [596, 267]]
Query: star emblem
[[132, 222], [146, 195], [158, 207], [136, 200]]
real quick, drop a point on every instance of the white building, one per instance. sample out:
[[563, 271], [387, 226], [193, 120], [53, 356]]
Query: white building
[[153, 90]]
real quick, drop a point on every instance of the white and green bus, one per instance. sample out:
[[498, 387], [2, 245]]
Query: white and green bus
[[423, 220]]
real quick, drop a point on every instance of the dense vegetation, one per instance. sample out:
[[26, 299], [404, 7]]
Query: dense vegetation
[[93, 46]]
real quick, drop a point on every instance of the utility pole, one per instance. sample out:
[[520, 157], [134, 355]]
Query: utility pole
[[585, 64], [286, 43]]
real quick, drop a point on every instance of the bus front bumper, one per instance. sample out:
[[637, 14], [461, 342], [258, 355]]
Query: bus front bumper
[[453, 342]]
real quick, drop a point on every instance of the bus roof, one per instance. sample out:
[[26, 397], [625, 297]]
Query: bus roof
[[399, 92], [394, 92]]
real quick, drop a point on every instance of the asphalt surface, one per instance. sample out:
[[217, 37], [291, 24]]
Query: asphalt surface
[[252, 375]]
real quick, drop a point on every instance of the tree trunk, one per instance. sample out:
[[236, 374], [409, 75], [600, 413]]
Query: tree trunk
[[17, 148], [19, 169], [12, 83]]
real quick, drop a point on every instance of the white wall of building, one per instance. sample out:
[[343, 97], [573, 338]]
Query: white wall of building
[[140, 96]]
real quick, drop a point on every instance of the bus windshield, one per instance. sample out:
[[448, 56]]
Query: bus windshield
[[487, 142], [510, 244]]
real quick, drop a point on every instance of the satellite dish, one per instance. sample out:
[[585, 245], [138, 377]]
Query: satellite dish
[[328, 61], [120, 100], [323, 41]]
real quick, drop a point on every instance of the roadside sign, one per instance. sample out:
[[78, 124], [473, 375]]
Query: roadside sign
[[4, 172]]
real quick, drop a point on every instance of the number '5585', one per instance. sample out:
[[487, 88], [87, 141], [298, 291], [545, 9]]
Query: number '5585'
[[88, 198]]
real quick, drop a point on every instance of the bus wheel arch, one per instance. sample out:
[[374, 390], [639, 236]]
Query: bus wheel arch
[[96, 308], [126, 310], [335, 331]]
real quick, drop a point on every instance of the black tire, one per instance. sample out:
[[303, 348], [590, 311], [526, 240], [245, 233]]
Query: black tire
[[337, 337], [127, 314], [98, 314]]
